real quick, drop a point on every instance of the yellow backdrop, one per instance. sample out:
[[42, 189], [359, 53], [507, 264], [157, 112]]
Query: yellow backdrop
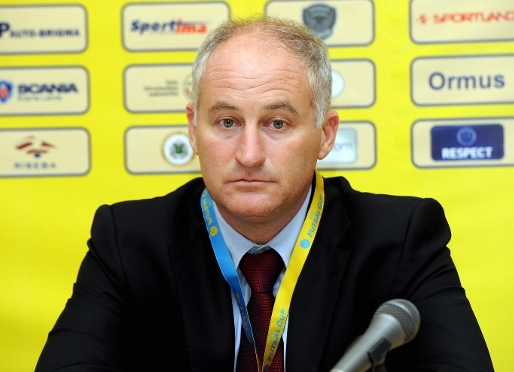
[[45, 220]]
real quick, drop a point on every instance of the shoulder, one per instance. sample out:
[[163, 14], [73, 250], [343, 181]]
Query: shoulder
[[380, 214], [159, 216], [359, 203], [177, 198]]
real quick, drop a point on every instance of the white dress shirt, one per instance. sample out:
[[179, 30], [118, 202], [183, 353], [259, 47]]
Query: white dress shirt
[[238, 246]]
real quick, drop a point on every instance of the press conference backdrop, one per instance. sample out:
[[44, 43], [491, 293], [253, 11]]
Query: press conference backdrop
[[92, 98]]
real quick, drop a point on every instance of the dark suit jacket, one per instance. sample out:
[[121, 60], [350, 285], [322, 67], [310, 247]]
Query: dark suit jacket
[[150, 296]]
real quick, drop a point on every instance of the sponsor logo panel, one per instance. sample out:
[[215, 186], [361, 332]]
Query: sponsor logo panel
[[353, 83], [44, 91], [346, 22], [181, 26], [442, 21], [463, 142], [43, 29], [163, 149], [467, 142], [354, 148], [463, 80], [44, 152], [157, 88]]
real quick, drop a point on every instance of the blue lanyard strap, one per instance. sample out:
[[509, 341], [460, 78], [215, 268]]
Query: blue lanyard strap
[[225, 261]]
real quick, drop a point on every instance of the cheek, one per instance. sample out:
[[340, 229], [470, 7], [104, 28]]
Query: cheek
[[302, 151], [296, 161], [203, 143], [212, 152]]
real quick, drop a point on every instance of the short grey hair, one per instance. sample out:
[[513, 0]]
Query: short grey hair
[[308, 48]]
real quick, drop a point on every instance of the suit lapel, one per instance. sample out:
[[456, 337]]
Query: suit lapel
[[206, 304], [317, 290]]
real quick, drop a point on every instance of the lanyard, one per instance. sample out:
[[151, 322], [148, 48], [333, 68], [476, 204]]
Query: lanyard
[[283, 300]]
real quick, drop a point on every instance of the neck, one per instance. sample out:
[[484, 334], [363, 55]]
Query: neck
[[261, 230], [259, 233]]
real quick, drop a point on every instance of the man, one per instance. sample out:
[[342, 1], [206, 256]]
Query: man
[[154, 291]]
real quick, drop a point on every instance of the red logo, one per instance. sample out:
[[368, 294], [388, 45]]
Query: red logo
[[6, 89], [468, 17], [32, 145], [423, 19]]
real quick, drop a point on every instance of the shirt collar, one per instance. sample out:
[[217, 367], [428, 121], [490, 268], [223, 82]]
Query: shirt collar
[[283, 242]]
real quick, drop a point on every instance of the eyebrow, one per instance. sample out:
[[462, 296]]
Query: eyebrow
[[279, 105], [282, 105], [222, 106]]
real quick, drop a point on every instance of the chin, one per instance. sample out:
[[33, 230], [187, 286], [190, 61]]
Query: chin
[[246, 208]]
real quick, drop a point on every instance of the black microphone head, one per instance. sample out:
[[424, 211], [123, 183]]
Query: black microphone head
[[405, 312]]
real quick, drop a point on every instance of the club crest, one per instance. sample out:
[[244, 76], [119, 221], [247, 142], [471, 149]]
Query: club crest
[[321, 19]]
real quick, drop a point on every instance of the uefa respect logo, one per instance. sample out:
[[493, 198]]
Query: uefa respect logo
[[467, 142]]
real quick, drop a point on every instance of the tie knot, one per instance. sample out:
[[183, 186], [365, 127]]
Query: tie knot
[[261, 270]]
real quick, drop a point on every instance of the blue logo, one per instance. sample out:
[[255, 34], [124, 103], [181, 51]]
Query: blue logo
[[305, 243], [4, 27], [466, 136], [46, 88], [32, 33], [6, 89], [469, 142]]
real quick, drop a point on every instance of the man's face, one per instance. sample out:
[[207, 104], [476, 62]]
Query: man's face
[[255, 134]]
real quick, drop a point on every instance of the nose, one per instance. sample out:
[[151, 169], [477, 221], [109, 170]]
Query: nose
[[250, 150]]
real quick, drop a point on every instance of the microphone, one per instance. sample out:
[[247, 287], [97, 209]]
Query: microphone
[[395, 323]]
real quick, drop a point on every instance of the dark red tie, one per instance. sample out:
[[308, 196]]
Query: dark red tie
[[261, 272]]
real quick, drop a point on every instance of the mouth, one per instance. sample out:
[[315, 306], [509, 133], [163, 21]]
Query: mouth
[[250, 182]]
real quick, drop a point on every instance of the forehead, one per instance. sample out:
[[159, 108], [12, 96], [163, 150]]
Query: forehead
[[252, 45], [248, 38], [253, 62]]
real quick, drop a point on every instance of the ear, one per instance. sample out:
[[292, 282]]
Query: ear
[[329, 132], [191, 127]]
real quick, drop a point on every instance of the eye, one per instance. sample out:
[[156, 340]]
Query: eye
[[227, 123], [277, 124]]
